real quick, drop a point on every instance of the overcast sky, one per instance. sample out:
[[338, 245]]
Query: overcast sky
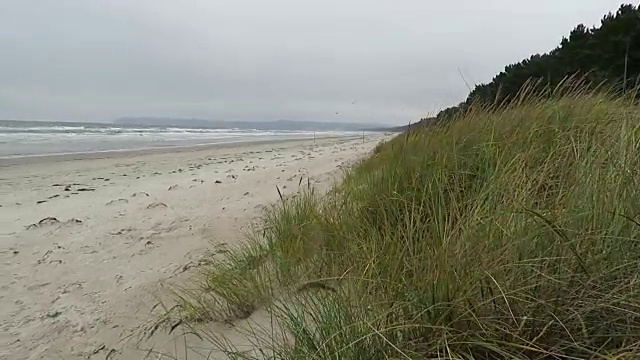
[[390, 61]]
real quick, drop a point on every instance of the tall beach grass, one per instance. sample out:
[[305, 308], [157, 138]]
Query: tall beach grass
[[504, 234]]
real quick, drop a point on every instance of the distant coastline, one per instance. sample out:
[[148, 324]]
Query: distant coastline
[[291, 125]]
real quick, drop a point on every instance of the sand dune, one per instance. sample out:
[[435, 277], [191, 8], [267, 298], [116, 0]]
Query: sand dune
[[86, 243]]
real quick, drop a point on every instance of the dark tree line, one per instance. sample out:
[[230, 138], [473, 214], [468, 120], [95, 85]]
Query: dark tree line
[[597, 55]]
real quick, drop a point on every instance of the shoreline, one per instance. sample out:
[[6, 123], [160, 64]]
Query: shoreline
[[123, 153]]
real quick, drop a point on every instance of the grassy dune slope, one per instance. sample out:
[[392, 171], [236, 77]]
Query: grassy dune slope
[[502, 235]]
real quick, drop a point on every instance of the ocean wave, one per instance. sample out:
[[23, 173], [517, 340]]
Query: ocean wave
[[34, 140], [56, 130]]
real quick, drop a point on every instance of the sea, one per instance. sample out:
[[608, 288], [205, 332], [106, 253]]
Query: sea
[[37, 138]]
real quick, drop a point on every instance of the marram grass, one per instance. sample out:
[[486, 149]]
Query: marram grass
[[506, 234]]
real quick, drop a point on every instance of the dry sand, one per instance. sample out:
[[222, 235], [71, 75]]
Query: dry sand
[[87, 242]]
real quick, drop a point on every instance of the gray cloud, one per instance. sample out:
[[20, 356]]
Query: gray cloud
[[94, 60]]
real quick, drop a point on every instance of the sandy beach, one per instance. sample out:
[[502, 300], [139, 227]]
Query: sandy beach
[[87, 242]]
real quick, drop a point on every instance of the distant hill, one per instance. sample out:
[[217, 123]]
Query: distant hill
[[246, 125]]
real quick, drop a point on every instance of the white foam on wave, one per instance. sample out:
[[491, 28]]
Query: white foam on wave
[[60, 140]]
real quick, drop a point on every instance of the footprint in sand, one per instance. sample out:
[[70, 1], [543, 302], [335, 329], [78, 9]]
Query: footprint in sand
[[117, 202], [122, 231], [157, 205], [48, 221], [70, 287], [52, 221], [140, 194]]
